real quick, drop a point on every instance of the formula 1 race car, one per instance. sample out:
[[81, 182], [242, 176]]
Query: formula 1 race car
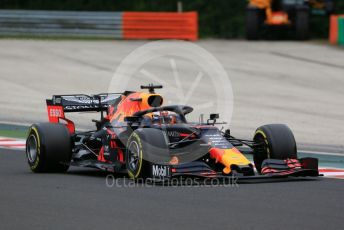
[[139, 136]]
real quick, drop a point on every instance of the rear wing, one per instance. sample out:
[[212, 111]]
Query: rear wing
[[61, 104]]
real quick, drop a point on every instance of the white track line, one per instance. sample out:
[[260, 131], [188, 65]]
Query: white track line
[[6, 142], [332, 172], [321, 153]]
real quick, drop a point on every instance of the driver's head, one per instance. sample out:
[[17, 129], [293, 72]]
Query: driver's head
[[163, 117]]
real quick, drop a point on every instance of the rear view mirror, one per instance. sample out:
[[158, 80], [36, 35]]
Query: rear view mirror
[[214, 116]]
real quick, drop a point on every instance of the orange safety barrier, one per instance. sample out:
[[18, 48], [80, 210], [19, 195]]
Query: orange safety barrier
[[333, 29], [333, 33], [153, 25]]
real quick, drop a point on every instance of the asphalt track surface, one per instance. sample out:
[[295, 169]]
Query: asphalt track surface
[[80, 199], [296, 83]]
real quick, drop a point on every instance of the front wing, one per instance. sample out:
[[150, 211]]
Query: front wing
[[271, 170]]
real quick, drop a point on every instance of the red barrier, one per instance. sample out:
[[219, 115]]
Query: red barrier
[[333, 29], [152, 25]]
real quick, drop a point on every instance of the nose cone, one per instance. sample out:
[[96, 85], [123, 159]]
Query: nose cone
[[228, 157]]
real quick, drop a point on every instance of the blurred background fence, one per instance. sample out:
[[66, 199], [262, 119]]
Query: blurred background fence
[[61, 23], [217, 18], [126, 25]]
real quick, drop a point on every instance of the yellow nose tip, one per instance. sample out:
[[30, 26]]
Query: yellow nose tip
[[226, 170]]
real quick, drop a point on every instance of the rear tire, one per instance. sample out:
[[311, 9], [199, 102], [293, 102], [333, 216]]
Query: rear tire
[[252, 23], [279, 143], [302, 24], [48, 148]]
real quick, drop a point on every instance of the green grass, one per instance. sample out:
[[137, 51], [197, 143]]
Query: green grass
[[13, 133]]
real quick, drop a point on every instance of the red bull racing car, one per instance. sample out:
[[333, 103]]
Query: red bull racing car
[[139, 136]]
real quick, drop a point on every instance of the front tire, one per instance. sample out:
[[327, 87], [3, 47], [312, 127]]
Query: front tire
[[136, 166], [48, 148], [145, 146], [278, 142]]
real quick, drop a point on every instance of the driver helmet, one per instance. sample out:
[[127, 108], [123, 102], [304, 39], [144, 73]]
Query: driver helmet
[[163, 117]]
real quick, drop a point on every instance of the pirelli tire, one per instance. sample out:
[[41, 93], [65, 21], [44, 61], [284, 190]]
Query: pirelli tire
[[145, 147], [302, 23], [278, 143], [48, 148], [252, 23]]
